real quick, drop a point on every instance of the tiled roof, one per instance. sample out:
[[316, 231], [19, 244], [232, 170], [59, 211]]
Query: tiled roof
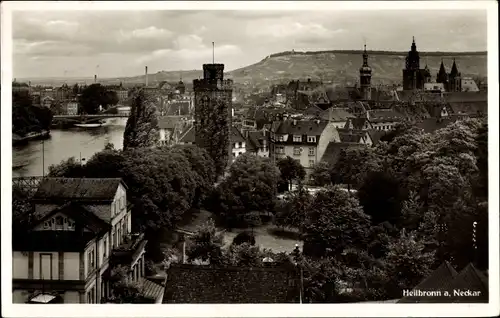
[[376, 135], [206, 284], [301, 127], [151, 289], [333, 150], [469, 279], [470, 108], [466, 97], [445, 279], [350, 135], [255, 139], [188, 135], [236, 135], [81, 189], [434, 282], [430, 125], [178, 108], [358, 123], [168, 122], [337, 114], [50, 241]]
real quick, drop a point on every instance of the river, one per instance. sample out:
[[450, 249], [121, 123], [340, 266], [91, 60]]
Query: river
[[63, 144]]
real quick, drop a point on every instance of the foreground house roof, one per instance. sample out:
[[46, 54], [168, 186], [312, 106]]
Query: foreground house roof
[[446, 279], [334, 149], [80, 189], [204, 284]]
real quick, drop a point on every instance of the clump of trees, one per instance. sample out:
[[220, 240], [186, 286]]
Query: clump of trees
[[291, 170], [93, 96], [26, 117], [162, 183], [249, 189]]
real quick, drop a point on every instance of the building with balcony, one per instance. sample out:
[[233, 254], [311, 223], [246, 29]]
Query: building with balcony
[[303, 140], [82, 229]]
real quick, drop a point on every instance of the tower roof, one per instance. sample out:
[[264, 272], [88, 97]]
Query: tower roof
[[365, 68], [442, 69], [454, 69]]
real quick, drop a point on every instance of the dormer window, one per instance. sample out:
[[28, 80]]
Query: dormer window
[[281, 138], [297, 138], [311, 138], [59, 223]]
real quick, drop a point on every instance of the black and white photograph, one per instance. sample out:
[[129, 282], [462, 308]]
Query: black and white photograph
[[179, 153]]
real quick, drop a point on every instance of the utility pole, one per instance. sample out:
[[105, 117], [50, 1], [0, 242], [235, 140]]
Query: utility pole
[[43, 158]]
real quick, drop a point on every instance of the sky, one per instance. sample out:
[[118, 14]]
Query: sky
[[121, 43]]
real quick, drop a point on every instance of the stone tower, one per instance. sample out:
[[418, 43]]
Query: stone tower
[[442, 76], [365, 78], [213, 121], [412, 74]]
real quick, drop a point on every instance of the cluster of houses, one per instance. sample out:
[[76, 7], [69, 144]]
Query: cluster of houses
[[324, 127]]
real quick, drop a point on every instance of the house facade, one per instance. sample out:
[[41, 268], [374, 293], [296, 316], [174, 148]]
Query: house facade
[[258, 143], [303, 140], [83, 230]]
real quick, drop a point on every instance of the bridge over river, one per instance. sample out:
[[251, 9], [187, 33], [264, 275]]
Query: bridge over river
[[87, 119]]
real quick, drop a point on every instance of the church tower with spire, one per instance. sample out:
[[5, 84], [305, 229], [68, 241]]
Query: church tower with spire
[[442, 76], [365, 78], [413, 76], [455, 79]]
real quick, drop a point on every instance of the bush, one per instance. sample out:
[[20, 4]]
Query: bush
[[244, 237]]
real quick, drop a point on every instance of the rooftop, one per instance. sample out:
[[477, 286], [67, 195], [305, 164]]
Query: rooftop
[[301, 127], [82, 189]]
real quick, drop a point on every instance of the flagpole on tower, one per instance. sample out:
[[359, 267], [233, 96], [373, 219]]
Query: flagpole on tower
[[213, 52]]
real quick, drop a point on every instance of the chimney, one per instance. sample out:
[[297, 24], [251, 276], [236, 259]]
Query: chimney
[[146, 71]]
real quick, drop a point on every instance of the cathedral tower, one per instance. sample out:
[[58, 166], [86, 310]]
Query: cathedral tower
[[413, 76], [365, 77], [213, 105], [442, 76]]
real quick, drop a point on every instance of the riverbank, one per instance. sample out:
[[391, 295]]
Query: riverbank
[[22, 140]]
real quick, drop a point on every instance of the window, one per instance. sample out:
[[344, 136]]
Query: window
[[281, 138], [311, 138], [90, 259], [311, 151], [240, 144], [280, 150], [46, 266], [46, 225], [59, 223], [297, 138], [113, 209], [235, 145], [311, 163], [296, 151], [105, 248]]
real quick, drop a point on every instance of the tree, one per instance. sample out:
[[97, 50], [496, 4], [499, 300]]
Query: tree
[[407, 262], [244, 254], [141, 127], [380, 197], [244, 237], [206, 244], [322, 174], [293, 211], [26, 117], [124, 290], [291, 170], [69, 168], [354, 164], [96, 95], [204, 168], [249, 187], [335, 221]]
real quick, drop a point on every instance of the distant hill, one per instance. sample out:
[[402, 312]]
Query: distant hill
[[330, 66]]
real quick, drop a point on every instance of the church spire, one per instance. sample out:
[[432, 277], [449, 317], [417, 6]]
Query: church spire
[[454, 69], [413, 45], [365, 57]]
